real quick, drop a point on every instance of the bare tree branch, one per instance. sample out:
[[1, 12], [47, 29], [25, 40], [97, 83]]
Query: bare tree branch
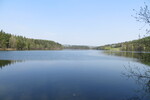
[[143, 15]]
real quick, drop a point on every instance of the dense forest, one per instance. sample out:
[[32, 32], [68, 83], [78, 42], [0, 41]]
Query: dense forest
[[135, 45], [12, 42]]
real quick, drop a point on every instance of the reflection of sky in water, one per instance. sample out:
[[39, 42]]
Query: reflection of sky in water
[[55, 55], [74, 79]]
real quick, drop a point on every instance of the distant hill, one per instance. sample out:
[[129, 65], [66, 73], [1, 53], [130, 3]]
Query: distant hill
[[80, 47], [12, 42], [135, 45]]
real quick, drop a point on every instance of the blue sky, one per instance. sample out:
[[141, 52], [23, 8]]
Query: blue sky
[[80, 22]]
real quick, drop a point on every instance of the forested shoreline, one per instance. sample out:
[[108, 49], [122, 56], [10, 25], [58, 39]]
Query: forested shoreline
[[135, 45], [12, 42]]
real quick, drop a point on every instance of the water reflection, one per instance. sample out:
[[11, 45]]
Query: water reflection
[[141, 57], [4, 63], [141, 76], [93, 78]]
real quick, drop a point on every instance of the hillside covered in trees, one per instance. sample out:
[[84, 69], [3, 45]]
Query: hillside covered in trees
[[12, 42], [135, 45]]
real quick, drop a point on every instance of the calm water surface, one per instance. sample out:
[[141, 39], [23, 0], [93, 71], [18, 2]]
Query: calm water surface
[[74, 75]]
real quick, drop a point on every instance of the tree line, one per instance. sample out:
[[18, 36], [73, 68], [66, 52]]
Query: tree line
[[12, 42], [77, 47], [135, 45]]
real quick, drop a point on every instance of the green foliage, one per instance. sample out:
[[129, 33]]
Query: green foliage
[[135, 45], [4, 39], [8, 41]]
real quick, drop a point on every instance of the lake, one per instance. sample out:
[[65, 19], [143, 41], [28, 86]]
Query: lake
[[74, 75]]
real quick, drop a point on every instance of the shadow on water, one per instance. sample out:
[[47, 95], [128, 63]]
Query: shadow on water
[[4, 63], [141, 57]]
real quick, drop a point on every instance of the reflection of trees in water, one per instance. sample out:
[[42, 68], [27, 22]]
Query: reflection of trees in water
[[141, 57], [141, 75], [134, 98], [4, 63], [142, 78]]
